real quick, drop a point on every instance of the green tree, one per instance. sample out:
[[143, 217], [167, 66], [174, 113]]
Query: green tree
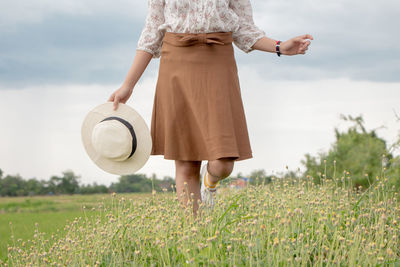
[[33, 187], [132, 183], [93, 189], [53, 185], [356, 151], [69, 182], [12, 186]]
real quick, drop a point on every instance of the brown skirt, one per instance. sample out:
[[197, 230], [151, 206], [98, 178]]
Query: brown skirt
[[198, 111]]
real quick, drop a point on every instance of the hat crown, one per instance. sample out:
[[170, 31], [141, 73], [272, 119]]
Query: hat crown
[[112, 139], [118, 141]]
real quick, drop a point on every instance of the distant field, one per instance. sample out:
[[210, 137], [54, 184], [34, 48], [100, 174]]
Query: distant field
[[51, 213]]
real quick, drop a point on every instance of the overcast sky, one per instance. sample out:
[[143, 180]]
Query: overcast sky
[[59, 59]]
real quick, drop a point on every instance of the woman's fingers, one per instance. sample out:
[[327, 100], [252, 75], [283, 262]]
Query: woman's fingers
[[304, 45], [116, 101], [307, 36], [111, 98], [116, 98], [303, 50]]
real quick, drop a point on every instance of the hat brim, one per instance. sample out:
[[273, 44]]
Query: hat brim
[[143, 137]]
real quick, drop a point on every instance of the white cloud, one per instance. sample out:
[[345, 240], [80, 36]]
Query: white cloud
[[355, 19], [14, 13]]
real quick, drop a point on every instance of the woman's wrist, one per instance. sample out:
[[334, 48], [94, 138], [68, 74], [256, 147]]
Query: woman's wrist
[[265, 44], [128, 85]]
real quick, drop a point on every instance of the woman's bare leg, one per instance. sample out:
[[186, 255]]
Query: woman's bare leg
[[187, 178]]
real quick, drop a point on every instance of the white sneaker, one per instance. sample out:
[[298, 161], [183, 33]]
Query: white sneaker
[[207, 193]]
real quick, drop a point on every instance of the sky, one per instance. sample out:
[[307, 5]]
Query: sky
[[59, 59]]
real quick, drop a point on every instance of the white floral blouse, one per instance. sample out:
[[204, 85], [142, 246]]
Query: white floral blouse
[[199, 16]]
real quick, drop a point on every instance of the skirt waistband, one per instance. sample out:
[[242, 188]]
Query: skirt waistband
[[189, 39]]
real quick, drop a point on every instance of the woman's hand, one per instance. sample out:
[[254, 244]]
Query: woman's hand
[[296, 45], [120, 95], [139, 64]]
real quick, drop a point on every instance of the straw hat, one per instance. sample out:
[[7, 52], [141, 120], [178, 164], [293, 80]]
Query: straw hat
[[118, 141]]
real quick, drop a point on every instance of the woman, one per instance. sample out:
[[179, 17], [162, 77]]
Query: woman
[[198, 112]]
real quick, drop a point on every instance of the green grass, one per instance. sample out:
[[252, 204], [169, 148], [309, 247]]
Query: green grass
[[23, 225], [286, 223], [51, 213]]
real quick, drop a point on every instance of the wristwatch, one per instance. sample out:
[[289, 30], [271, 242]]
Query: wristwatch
[[277, 48]]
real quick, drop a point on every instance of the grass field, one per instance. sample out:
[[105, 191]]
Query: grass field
[[51, 213], [285, 223]]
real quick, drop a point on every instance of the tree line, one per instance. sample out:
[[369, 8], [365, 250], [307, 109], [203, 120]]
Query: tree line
[[69, 183]]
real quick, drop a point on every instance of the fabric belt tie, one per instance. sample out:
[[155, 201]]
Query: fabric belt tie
[[189, 39]]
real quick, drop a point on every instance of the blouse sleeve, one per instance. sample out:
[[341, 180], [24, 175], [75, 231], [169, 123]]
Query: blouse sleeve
[[247, 33], [151, 37]]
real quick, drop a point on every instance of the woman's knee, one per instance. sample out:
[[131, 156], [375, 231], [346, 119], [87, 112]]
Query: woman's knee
[[188, 169], [222, 167]]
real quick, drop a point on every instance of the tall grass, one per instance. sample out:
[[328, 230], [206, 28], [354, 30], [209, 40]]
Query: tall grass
[[288, 222], [50, 212]]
